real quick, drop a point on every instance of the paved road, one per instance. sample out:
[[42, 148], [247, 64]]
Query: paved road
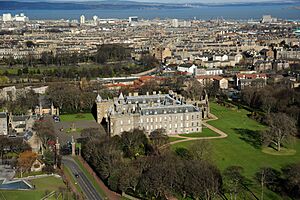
[[86, 186]]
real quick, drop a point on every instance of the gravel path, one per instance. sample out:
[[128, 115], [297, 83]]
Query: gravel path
[[218, 131]]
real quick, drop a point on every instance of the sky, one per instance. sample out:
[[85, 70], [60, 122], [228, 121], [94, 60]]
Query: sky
[[180, 1]]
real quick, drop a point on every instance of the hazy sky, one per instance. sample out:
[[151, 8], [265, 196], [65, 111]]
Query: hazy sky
[[185, 1]]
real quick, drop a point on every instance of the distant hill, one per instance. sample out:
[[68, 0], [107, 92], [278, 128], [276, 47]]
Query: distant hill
[[17, 5], [120, 4]]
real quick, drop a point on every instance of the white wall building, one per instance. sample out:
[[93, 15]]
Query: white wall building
[[7, 17], [82, 19]]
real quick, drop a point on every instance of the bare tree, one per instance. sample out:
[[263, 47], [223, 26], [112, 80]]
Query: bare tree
[[281, 128]]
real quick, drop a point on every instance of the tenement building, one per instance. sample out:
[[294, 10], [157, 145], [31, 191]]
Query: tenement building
[[150, 112]]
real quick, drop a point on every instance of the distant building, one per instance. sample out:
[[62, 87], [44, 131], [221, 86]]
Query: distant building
[[3, 123], [175, 23], [82, 19], [150, 112], [268, 19], [252, 80], [218, 81], [133, 19], [7, 17], [20, 18]]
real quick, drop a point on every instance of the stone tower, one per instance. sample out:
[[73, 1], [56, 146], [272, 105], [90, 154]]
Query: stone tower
[[102, 108]]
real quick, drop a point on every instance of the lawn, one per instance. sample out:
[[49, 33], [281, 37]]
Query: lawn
[[241, 147], [205, 133], [173, 139], [42, 185], [76, 117]]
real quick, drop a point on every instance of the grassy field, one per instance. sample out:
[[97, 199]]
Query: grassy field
[[76, 117], [173, 139], [14, 70], [241, 147], [205, 133], [42, 185]]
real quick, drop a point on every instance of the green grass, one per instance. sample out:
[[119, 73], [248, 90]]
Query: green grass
[[76, 117], [173, 139], [90, 177], [240, 147], [78, 130], [41, 186], [282, 152], [29, 174], [205, 133]]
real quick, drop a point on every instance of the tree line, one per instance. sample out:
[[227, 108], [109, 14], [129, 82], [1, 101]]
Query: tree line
[[146, 168], [139, 166]]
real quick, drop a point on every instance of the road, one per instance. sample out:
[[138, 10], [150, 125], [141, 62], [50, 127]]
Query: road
[[84, 183]]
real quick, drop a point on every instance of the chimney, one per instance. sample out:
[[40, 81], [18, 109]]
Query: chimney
[[147, 93], [154, 92], [129, 94], [136, 94]]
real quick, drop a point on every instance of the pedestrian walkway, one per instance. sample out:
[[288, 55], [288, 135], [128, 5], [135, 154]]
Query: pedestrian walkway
[[204, 123]]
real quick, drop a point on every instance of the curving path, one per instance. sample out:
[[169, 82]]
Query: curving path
[[218, 131]]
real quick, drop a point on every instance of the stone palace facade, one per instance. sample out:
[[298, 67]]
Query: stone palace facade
[[171, 112]]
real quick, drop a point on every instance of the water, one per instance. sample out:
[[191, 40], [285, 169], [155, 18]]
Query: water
[[229, 12], [15, 185]]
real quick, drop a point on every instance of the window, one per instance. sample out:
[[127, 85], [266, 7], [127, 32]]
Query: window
[[192, 123], [121, 122], [187, 124], [175, 125], [147, 119], [192, 117], [151, 119], [187, 117], [181, 117], [129, 121], [121, 129], [141, 120], [160, 119], [181, 125], [170, 126]]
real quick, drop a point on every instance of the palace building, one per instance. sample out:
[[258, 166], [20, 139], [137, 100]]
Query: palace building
[[171, 112]]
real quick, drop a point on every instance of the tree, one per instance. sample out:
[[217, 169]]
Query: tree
[[266, 177], [233, 180], [158, 138], [201, 150], [25, 160], [30, 44], [291, 174], [194, 90], [148, 60], [134, 143], [281, 127], [45, 131], [203, 180]]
